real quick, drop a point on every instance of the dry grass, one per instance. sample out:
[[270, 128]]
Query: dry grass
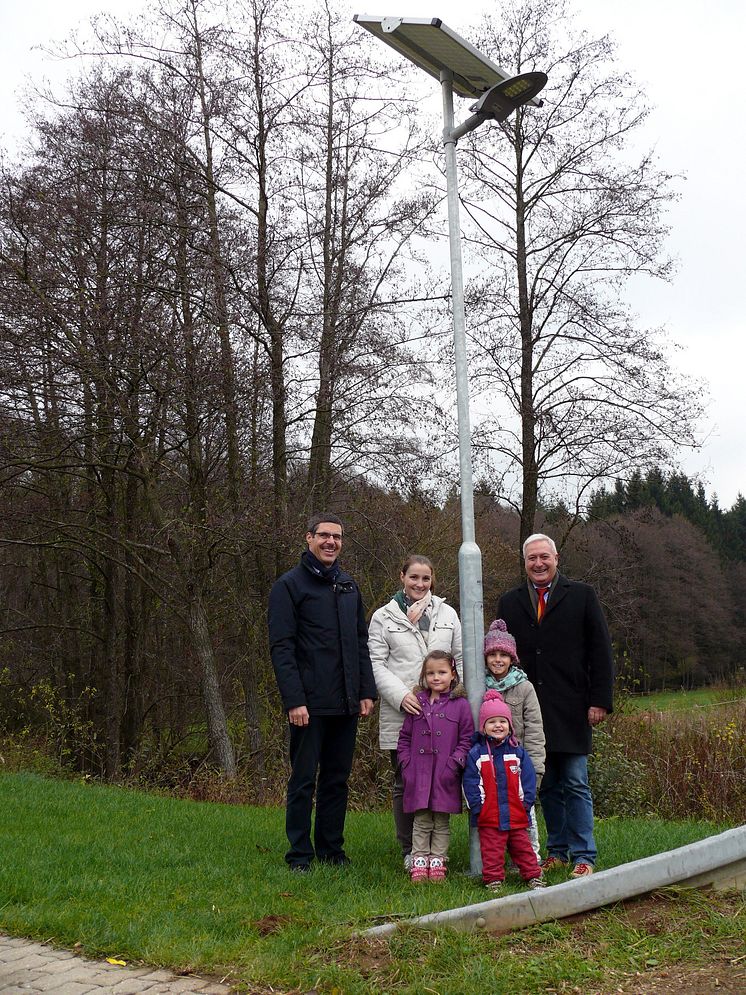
[[694, 761]]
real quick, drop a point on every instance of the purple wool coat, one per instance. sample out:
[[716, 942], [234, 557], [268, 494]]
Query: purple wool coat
[[432, 751]]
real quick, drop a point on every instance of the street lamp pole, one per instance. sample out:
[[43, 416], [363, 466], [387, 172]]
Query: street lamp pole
[[461, 68], [470, 556], [471, 597]]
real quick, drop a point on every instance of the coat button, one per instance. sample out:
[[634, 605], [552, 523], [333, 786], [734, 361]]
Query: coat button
[[435, 750], [422, 751], [438, 733], [538, 652]]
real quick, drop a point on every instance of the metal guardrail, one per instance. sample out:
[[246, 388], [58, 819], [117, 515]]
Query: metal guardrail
[[718, 860]]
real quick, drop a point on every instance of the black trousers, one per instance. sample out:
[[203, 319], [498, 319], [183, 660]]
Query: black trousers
[[403, 821], [325, 747]]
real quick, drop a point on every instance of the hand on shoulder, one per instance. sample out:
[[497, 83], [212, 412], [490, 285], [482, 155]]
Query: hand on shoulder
[[410, 704]]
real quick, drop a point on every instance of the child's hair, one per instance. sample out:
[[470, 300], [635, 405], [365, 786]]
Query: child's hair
[[438, 655]]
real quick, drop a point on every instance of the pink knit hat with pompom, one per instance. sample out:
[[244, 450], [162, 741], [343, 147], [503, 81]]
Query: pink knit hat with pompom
[[494, 704], [499, 640]]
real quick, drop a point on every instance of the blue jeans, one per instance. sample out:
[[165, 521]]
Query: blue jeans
[[568, 808]]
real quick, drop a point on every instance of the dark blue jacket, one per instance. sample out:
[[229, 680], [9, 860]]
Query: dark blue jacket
[[499, 783], [318, 640]]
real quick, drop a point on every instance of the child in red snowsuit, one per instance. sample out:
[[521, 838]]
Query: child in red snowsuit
[[500, 788]]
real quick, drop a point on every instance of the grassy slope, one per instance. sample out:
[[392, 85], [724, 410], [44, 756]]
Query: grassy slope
[[666, 701], [203, 886]]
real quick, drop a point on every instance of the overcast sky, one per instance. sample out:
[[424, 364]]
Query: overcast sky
[[688, 58]]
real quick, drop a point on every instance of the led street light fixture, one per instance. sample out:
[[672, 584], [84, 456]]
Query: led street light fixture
[[499, 102]]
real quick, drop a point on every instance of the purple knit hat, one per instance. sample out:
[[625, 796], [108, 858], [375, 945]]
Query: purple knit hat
[[499, 640], [494, 704]]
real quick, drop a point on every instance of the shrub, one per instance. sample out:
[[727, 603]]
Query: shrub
[[693, 762], [48, 722], [617, 780]]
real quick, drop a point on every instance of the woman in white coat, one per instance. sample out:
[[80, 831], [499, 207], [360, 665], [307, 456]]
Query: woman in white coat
[[400, 635]]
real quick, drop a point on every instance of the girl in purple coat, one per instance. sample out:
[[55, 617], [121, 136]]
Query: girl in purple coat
[[432, 752]]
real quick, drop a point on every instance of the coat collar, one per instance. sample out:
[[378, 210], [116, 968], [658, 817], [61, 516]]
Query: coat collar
[[394, 612], [459, 691], [559, 591]]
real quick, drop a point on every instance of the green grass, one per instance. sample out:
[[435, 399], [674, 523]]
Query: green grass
[[204, 887], [679, 701]]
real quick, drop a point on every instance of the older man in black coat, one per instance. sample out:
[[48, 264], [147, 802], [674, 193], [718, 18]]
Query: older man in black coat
[[564, 647]]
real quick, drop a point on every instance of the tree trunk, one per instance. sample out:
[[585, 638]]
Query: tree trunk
[[228, 388], [528, 414], [217, 724]]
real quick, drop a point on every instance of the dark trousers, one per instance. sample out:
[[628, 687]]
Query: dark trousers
[[403, 821], [324, 747], [493, 842]]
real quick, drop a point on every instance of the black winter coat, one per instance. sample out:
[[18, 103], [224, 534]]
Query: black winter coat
[[318, 640], [567, 658]]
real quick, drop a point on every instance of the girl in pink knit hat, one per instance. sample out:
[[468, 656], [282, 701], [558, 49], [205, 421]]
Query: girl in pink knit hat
[[500, 789], [505, 675]]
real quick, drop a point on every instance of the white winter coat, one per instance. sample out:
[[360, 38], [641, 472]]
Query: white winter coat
[[397, 649]]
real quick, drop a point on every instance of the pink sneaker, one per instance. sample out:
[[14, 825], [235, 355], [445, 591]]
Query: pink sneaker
[[437, 869], [418, 874]]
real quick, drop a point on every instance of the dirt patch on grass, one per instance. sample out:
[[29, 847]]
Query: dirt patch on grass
[[721, 966], [270, 924], [369, 957], [715, 964], [727, 978]]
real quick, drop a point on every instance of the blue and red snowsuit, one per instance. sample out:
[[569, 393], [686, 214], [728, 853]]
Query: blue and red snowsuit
[[500, 788]]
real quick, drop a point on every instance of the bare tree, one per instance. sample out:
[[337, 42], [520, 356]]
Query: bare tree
[[361, 206], [563, 210], [116, 272], [643, 563]]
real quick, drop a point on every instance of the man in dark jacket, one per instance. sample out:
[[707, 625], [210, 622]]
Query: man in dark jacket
[[318, 641], [564, 647]]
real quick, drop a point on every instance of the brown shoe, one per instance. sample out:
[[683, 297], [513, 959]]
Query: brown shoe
[[581, 871], [551, 863]]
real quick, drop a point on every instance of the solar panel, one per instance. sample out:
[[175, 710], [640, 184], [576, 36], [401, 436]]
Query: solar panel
[[433, 46]]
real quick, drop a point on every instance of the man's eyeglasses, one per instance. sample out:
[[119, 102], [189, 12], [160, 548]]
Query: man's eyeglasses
[[324, 536]]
